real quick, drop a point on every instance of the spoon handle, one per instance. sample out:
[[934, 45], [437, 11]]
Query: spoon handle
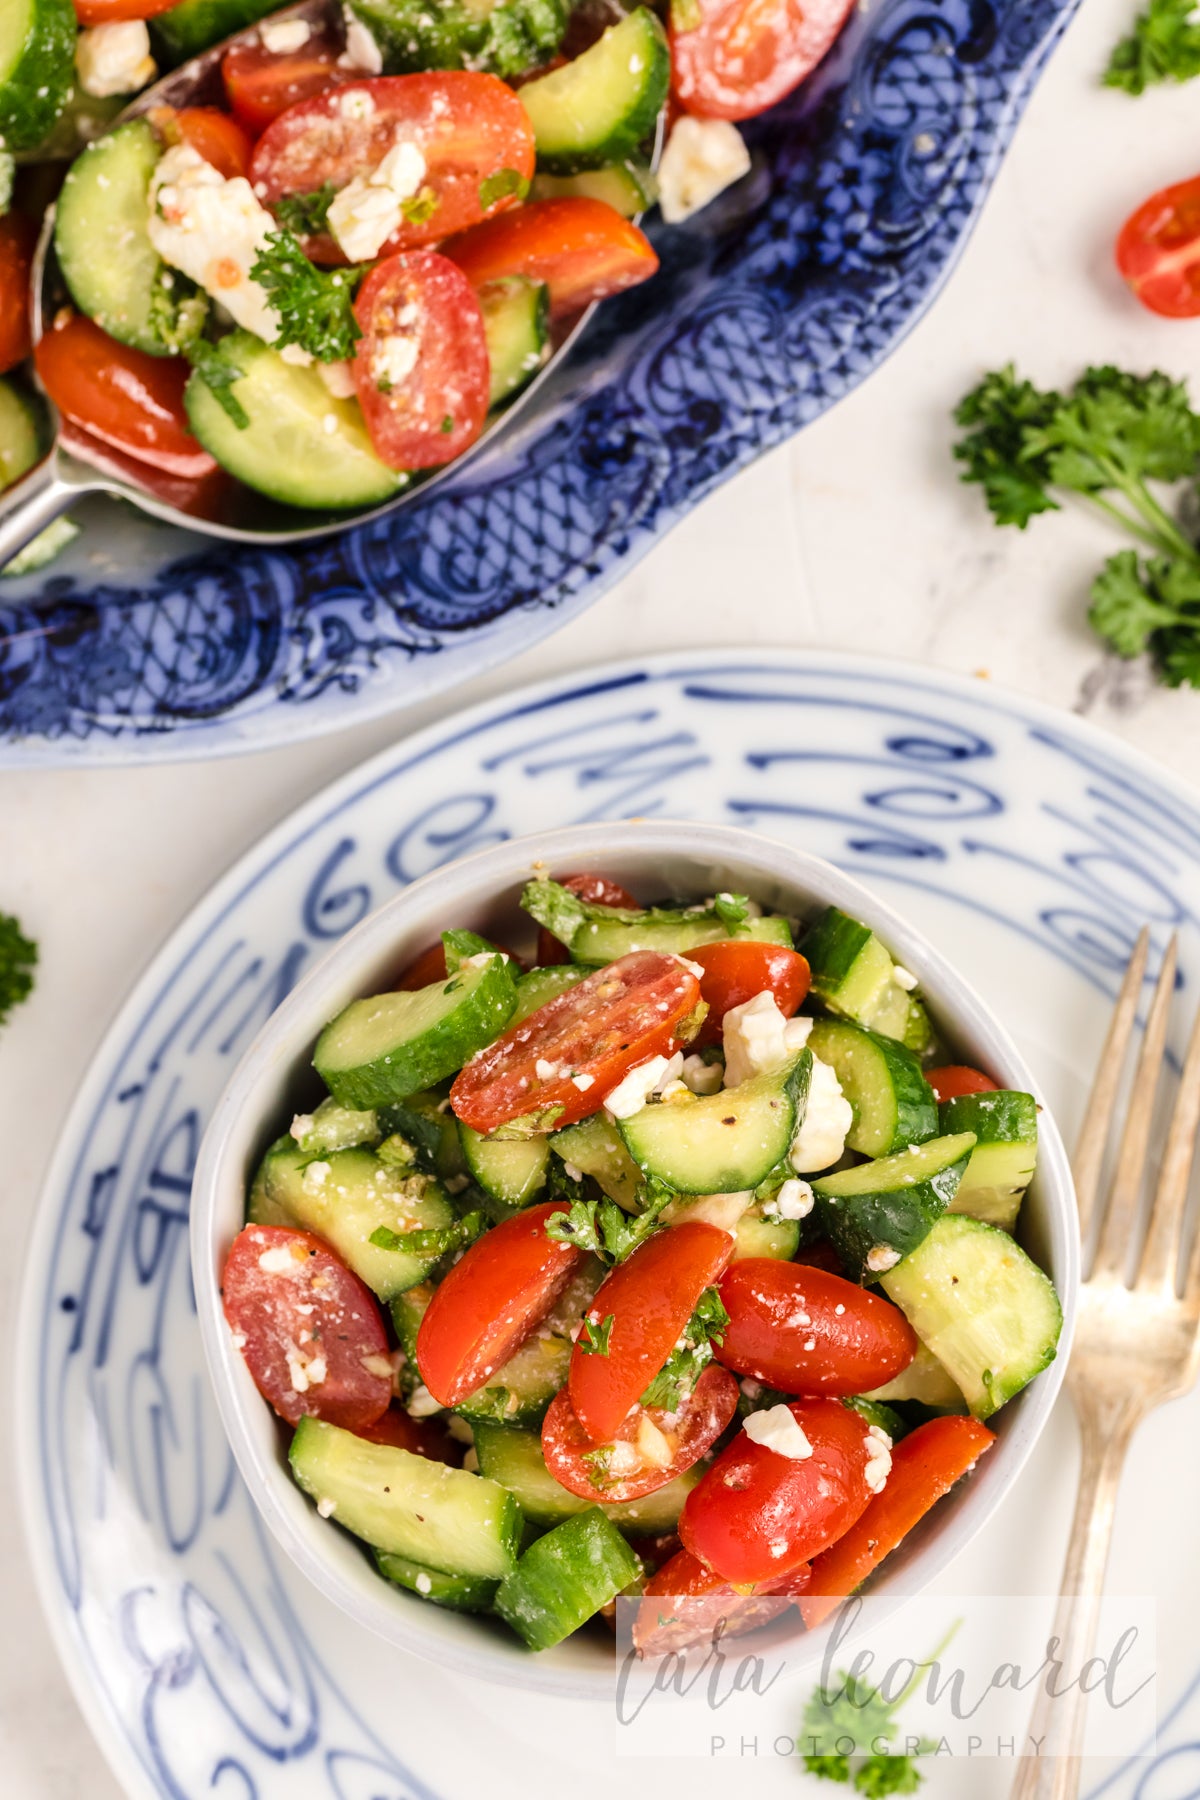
[[33, 503]]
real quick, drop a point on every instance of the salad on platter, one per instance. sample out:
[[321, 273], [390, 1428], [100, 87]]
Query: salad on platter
[[678, 1263]]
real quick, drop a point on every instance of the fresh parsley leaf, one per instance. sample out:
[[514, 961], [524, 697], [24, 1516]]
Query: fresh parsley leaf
[[997, 415], [501, 186], [881, 1775], [448, 423], [18, 959], [851, 1710], [677, 1378], [437, 1242], [601, 1227], [1164, 45], [532, 1124], [593, 1338], [314, 306], [732, 909], [178, 311], [418, 209], [218, 373], [305, 215]]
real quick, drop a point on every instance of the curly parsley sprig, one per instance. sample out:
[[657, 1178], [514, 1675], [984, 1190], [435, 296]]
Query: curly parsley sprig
[[18, 958], [315, 306], [1164, 45], [601, 1227], [856, 1713]]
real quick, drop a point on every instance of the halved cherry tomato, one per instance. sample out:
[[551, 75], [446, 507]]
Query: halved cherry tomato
[[597, 890], [18, 236], [491, 1301], [690, 1432], [703, 1604], [649, 1297], [261, 83], [1158, 251], [582, 249], [307, 1327], [925, 1465], [741, 56], [119, 395], [430, 406], [806, 1332], [954, 1080], [469, 128], [113, 12], [592, 1035], [757, 1513], [210, 132], [202, 498], [736, 970], [424, 1437]]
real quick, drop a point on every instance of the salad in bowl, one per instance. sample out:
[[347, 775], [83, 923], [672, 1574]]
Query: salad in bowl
[[666, 1247]]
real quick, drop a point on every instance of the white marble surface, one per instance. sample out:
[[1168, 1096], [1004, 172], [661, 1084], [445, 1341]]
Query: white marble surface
[[855, 535]]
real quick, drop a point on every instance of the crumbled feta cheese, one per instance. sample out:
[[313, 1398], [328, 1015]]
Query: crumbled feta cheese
[[879, 1458], [423, 1583], [327, 1508], [355, 103], [213, 230], [361, 49], [796, 1033], [700, 1076], [635, 1088], [338, 378], [421, 1403], [114, 59], [378, 1364], [583, 1081], [828, 1116], [904, 978], [571, 1172], [702, 158], [693, 968], [278, 1260], [304, 1375], [881, 1257], [623, 1458], [315, 1176], [283, 36], [753, 1036], [301, 1125], [751, 1388], [238, 1339], [793, 1201], [369, 209], [776, 1427], [654, 1446], [545, 1070]]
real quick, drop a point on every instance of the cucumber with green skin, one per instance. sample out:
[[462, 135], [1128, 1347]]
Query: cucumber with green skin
[[501, 37], [597, 935], [50, 542], [876, 1412], [628, 187], [726, 1142], [540, 986], [924, 1381], [332, 1126], [515, 1460], [990, 1316], [854, 976], [392, 1045], [405, 1505], [462, 1593], [893, 1103], [594, 1147], [755, 1235], [21, 432], [427, 1122], [565, 1578], [37, 68], [512, 1170], [516, 324], [1004, 1159], [879, 1212], [193, 25], [602, 106]]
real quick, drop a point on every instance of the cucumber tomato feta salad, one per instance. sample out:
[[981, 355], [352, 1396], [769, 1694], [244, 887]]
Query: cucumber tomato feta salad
[[679, 1263]]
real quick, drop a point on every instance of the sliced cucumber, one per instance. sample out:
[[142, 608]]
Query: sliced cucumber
[[20, 433], [440, 1517], [427, 1123], [879, 1212], [463, 1593], [987, 1312], [515, 1460], [516, 323], [408, 1309], [628, 187], [565, 1578], [101, 236], [334, 1127], [925, 1381], [726, 1142], [1002, 1163], [595, 1148], [512, 1170], [460, 946], [604, 105], [756, 1236], [501, 37], [393, 1045], [37, 68], [540, 986], [854, 976], [50, 542], [598, 935], [523, 1387], [345, 1197], [193, 25], [893, 1103]]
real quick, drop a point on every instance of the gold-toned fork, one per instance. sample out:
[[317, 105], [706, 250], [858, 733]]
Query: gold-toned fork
[[1137, 1342]]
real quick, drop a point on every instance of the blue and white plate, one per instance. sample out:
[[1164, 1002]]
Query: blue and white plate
[[769, 307], [1027, 845]]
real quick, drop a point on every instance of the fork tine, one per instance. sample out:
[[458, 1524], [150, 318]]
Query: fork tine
[[1093, 1135], [1120, 1219], [1159, 1266]]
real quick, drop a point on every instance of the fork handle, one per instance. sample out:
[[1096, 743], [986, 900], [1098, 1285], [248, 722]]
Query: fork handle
[[1054, 1773]]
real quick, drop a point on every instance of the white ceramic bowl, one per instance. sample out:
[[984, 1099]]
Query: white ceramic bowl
[[274, 1079]]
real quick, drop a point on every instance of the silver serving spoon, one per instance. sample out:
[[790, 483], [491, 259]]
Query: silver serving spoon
[[77, 464]]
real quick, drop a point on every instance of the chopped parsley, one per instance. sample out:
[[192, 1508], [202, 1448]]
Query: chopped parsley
[[593, 1339], [305, 215], [601, 1227], [503, 185], [218, 373], [854, 1712], [678, 1376], [448, 423], [436, 1242], [418, 209], [18, 958], [1164, 45], [178, 311], [315, 306]]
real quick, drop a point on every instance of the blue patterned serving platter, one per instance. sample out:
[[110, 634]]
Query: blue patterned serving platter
[[1028, 846], [769, 307]]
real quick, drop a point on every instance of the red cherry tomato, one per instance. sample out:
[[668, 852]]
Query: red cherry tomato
[[690, 1432], [122, 396], [468, 127], [582, 249], [741, 56], [597, 890], [18, 237], [594, 1033], [650, 1297], [757, 1513], [806, 1332], [260, 83], [211, 133], [736, 970], [431, 407], [954, 1080], [702, 1602], [491, 1301], [423, 970], [424, 1437], [113, 12], [1158, 251], [925, 1465], [202, 498], [296, 1309]]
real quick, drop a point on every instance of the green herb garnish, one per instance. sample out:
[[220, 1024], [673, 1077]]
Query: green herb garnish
[[678, 1376], [418, 209], [18, 958], [855, 1711], [593, 1338], [436, 1242], [305, 215], [315, 307], [218, 375], [1164, 45], [601, 1227], [502, 186]]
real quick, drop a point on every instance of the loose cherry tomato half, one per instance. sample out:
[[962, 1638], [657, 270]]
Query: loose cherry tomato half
[[582, 249], [757, 1513], [649, 1297], [429, 407], [925, 1465], [210, 132], [424, 1437], [592, 1035], [202, 498], [491, 1301], [806, 1332], [260, 83], [122, 396], [307, 1328], [113, 12], [469, 128], [684, 1603], [954, 1080], [18, 237], [690, 1433], [736, 970], [1158, 251], [597, 890], [737, 57]]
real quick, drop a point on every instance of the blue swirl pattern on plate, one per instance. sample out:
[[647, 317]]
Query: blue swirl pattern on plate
[[181, 1621], [770, 306]]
